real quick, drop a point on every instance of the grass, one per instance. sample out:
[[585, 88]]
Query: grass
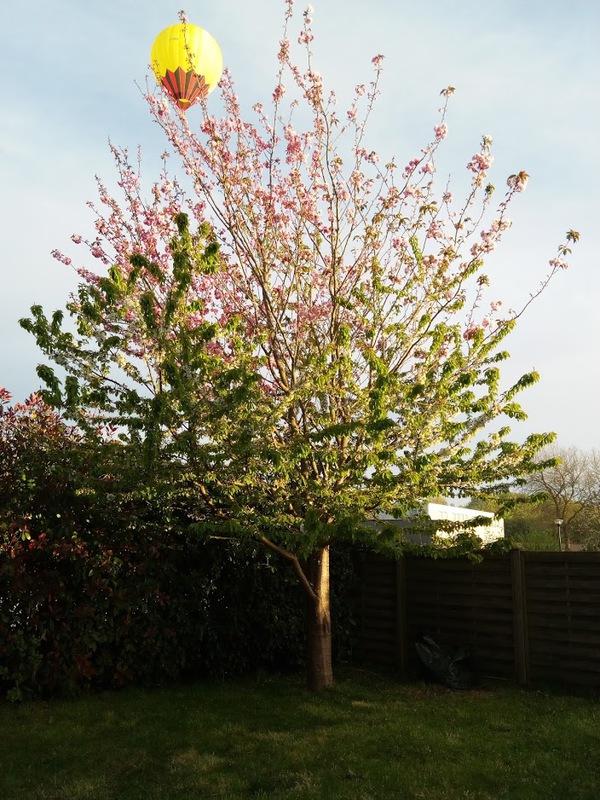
[[366, 739]]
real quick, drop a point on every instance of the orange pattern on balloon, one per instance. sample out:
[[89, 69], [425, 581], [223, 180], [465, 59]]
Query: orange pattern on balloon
[[185, 87]]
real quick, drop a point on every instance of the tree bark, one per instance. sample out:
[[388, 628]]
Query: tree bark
[[319, 664]]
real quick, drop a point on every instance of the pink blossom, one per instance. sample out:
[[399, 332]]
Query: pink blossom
[[428, 167], [76, 238], [410, 167], [377, 59], [471, 332], [480, 162], [518, 182], [357, 178], [294, 145], [305, 37], [342, 192], [61, 257], [558, 263], [284, 50], [435, 230], [279, 92], [441, 131]]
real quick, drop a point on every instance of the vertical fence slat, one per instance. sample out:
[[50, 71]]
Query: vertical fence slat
[[519, 597], [401, 634]]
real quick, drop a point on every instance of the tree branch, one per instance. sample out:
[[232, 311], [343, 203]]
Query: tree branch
[[296, 564]]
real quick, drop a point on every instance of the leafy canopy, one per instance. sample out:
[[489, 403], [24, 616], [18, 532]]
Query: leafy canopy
[[307, 336]]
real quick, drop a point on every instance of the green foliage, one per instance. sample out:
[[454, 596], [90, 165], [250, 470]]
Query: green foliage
[[85, 614], [79, 614], [99, 584], [104, 583], [269, 461], [528, 519]]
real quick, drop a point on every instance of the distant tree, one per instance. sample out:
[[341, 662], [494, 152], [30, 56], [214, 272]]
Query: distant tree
[[317, 344], [528, 519], [531, 526], [572, 486]]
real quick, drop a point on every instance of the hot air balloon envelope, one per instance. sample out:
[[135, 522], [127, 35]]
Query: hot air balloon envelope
[[187, 62]]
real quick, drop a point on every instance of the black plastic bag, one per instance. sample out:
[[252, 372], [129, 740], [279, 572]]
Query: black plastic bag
[[451, 669]]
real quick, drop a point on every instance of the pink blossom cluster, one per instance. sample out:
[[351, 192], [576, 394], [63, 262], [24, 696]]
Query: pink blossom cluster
[[480, 162], [518, 182], [278, 92], [441, 131], [558, 263], [295, 151], [411, 167], [490, 238], [472, 331], [59, 256]]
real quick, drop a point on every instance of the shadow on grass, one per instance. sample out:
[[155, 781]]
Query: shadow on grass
[[365, 739]]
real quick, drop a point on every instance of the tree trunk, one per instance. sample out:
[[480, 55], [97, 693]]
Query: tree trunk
[[319, 666]]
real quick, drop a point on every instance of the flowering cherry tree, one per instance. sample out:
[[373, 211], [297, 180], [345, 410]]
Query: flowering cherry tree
[[305, 336]]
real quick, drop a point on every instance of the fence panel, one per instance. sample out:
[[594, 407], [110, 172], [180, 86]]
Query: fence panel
[[379, 600], [563, 617], [528, 617], [462, 604]]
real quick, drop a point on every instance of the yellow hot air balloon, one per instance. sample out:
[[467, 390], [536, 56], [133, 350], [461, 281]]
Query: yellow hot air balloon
[[187, 62]]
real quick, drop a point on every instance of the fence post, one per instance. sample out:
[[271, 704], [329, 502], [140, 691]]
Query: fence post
[[519, 599], [401, 634]]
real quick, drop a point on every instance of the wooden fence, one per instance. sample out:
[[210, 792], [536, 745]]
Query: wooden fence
[[530, 617]]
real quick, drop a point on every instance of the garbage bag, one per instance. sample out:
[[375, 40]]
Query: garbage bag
[[450, 668]]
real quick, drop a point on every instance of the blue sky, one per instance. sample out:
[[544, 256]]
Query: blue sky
[[526, 73]]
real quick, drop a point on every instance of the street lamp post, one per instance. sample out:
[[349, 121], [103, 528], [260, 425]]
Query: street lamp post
[[558, 523]]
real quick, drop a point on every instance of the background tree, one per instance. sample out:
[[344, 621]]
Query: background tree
[[323, 349], [568, 488], [572, 486], [528, 519]]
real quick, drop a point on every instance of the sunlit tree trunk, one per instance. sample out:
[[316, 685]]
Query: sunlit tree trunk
[[319, 666]]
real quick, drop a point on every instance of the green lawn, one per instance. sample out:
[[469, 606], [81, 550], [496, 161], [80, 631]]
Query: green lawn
[[366, 739]]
